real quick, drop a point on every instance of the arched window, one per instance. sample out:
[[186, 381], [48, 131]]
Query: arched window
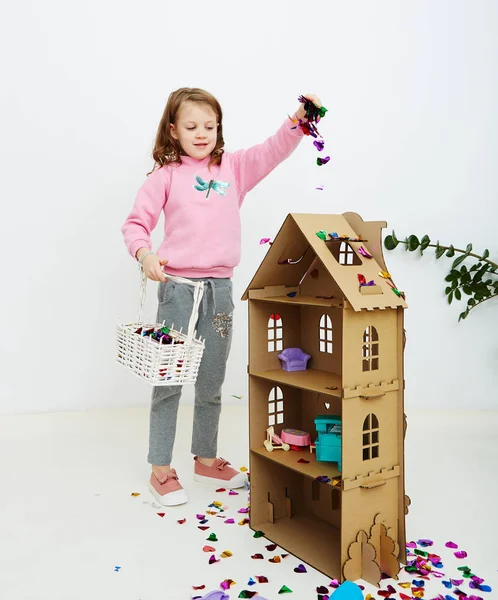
[[275, 333], [326, 334], [275, 406], [370, 349], [370, 437]]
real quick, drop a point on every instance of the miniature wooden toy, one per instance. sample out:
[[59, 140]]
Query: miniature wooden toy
[[273, 442], [328, 295]]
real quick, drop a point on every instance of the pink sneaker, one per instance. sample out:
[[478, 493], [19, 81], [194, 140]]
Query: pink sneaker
[[219, 474], [167, 490]]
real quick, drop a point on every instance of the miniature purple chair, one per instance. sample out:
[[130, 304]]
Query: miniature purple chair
[[294, 359]]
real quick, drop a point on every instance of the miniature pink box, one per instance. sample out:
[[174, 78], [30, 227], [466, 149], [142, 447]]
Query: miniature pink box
[[295, 437]]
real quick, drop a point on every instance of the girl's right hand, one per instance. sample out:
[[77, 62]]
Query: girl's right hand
[[152, 266]]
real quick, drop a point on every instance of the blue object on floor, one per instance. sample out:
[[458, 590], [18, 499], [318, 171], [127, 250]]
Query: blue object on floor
[[348, 591]]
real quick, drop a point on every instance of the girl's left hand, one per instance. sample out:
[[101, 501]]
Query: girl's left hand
[[301, 113]]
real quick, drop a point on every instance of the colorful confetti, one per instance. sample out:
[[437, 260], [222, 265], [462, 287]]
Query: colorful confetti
[[284, 590], [258, 534], [300, 569], [213, 559], [226, 554], [271, 547], [212, 537], [135, 494], [257, 556], [226, 584], [182, 521], [208, 549]]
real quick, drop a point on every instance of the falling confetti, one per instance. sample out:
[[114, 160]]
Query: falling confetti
[[262, 579], [233, 493], [264, 240], [271, 547], [303, 461], [275, 559], [135, 494], [226, 554], [451, 545], [213, 559], [116, 569], [243, 469], [229, 521], [246, 594], [182, 521], [226, 584], [208, 549], [258, 534], [321, 589], [212, 537], [300, 569], [284, 590], [203, 527], [220, 490], [461, 554], [257, 556], [322, 234], [161, 514]]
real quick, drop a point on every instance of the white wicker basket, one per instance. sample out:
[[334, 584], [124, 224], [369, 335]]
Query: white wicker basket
[[158, 363]]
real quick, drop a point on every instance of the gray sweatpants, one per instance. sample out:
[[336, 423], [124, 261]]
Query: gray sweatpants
[[215, 327]]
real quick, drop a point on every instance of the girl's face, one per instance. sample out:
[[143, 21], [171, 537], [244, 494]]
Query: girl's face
[[195, 129]]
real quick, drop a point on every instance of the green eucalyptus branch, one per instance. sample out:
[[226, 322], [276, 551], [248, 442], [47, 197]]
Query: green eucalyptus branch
[[470, 280]]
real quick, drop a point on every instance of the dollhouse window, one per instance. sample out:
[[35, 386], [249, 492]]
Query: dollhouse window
[[343, 252], [275, 333], [275, 406], [370, 349], [326, 334], [370, 437]]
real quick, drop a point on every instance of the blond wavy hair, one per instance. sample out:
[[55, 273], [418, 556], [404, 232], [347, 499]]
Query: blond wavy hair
[[168, 150]]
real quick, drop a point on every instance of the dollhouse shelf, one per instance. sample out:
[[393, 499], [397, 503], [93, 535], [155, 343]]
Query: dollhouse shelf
[[289, 459], [311, 379], [305, 535], [304, 301]]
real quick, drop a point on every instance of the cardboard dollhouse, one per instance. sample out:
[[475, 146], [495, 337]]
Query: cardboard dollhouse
[[306, 294]]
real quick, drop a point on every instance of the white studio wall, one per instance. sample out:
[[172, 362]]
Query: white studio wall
[[411, 91]]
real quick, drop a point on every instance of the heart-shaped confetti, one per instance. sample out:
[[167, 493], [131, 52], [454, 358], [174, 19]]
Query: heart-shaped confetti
[[271, 547], [284, 590], [302, 461], [451, 545], [261, 579], [135, 494], [334, 583], [405, 584], [263, 241], [275, 559], [161, 514], [243, 510], [212, 537], [202, 527], [447, 584], [284, 555], [220, 490], [226, 584], [208, 549], [198, 587], [418, 583], [244, 469], [300, 569], [226, 554], [200, 517], [182, 521], [404, 596], [258, 534], [457, 582], [233, 493], [244, 522], [461, 554], [411, 545], [203, 522], [321, 589], [213, 559], [257, 556], [246, 594], [230, 521], [425, 543]]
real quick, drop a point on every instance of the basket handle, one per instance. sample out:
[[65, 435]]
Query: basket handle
[[198, 293]]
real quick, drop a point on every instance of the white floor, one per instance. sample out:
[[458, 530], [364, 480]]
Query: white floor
[[67, 517]]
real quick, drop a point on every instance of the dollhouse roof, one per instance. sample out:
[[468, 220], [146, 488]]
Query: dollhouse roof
[[297, 240]]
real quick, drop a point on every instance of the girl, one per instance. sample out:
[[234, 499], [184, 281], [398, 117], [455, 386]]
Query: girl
[[200, 189]]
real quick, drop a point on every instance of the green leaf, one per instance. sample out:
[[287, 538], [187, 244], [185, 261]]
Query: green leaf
[[485, 254], [463, 315], [451, 251], [466, 277], [471, 301], [463, 269], [396, 241], [447, 290], [390, 243], [468, 250], [467, 290], [454, 283], [413, 243], [450, 297], [439, 251], [458, 294], [458, 260], [424, 242]]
